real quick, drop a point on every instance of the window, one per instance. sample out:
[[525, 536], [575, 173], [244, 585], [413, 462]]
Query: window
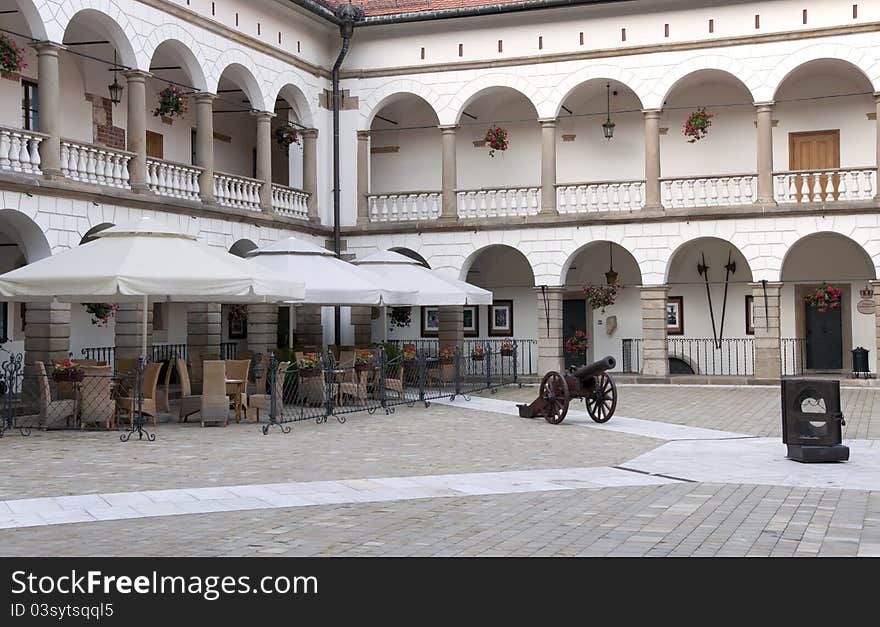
[[159, 316], [4, 322], [30, 104], [193, 142]]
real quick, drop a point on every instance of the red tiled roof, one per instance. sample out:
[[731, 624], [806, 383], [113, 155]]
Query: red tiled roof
[[392, 7]]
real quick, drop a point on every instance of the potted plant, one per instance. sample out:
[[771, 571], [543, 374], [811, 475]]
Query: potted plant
[[824, 297], [68, 370], [496, 138], [101, 312], [363, 361], [506, 349], [447, 355], [577, 344], [601, 296], [409, 358], [309, 365], [285, 135], [238, 312], [697, 124], [172, 102], [478, 353], [11, 57]]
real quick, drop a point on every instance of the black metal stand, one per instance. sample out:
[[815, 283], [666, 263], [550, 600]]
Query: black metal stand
[[276, 387], [11, 379], [137, 426]]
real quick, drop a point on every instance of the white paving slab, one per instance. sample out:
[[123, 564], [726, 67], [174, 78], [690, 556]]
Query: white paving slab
[[619, 424], [93, 507], [761, 461]]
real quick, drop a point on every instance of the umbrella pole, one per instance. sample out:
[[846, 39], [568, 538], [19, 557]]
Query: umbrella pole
[[384, 324], [291, 324], [144, 329], [137, 425]]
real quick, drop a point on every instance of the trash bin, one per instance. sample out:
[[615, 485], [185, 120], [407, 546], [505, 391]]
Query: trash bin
[[812, 420], [860, 362]]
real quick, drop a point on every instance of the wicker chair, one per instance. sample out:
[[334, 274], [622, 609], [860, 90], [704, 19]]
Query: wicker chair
[[189, 404], [162, 400], [96, 397], [256, 402], [215, 403], [237, 392], [52, 409], [130, 403]]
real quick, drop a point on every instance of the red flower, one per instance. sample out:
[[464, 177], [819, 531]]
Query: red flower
[[496, 137]]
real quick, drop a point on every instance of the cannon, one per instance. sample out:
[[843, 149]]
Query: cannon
[[591, 383]]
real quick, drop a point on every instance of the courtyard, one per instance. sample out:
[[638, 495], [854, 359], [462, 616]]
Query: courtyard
[[678, 471]]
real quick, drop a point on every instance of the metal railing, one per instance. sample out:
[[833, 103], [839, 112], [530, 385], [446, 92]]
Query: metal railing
[[631, 355], [228, 350], [793, 356], [158, 352], [526, 351], [701, 356]]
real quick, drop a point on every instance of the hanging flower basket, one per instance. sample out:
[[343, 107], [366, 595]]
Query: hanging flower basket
[[11, 57], [447, 355], [506, 349], [577, 343], [68, 370], [602, 296], [496, 139], [101, 312], [478, 353], [400, 317], [238, 312], [696, 127], [285, 135], [172, 102], [824, 298]]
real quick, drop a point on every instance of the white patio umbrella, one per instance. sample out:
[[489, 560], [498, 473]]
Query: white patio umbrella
[[146, 261]]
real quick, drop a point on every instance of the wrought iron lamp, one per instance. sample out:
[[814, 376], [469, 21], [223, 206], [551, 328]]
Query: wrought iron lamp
[[115, 88], [611, 275], [608, 125]]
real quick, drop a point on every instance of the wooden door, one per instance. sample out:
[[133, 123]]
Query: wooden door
[[574, 318], [155, 145], [815, 150], [824, 338]]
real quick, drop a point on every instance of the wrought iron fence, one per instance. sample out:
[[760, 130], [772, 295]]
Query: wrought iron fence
[[631, 355], [106, 354], [526, 352], [228, 350], [701, 356], [793, 355]]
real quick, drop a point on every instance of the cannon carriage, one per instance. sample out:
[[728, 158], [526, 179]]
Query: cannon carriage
[[592, 383]]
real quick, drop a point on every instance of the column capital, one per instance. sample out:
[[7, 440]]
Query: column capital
[[204, 97], [448, 129], [263, 115], [550, 289], [764, 106], [47, 47], [877, 97], [652, 114], [548, 122], [309, 133], [363, 135], [775, 285], [654, 288], [136, 76]]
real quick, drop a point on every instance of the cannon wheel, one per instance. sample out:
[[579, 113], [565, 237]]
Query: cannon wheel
[[554, 391], [602, 401]]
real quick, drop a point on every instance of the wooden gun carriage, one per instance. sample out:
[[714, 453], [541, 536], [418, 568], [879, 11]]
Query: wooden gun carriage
[[591, 383]]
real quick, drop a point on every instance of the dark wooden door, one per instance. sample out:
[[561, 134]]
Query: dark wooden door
[[823, 332], [574, 318]]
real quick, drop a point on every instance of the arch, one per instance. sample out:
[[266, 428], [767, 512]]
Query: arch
[[379, 99], [473, 90], [114, 28], [32, 17], [598, 73], [26, 234], [291, 91], [472, 259], [183, 52], [735, 69], [92, 233], [716, 260], [868, 272], [620, 255], [235, 65], [242, 247], [853, 57]]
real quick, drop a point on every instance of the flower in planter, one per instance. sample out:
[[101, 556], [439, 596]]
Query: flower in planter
[[496, 139], [285, 135], [238, 312], [101, 312], [310, 360], [824, 298], [577, 343], [696, 127], [447, 354], [172, 102], [478, 352], [11, 57], [602, 296], [400, 316], [506, 348], [69, 368], [363, 359], [409, 352]]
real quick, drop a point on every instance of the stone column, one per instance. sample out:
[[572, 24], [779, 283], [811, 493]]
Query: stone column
[[449, 209], [50, 106], [205, 144], [768, 353], [264, 157], [765, 153], [310, 171], [129, 333], [262, 327], [203, 324], [362, 321], [655, 358], [548, 165], [136, 133], [363, 176], [451, 331], [652, 158], [46, 334], [549, 303], [875, 285], [877, 158], [309, 329]]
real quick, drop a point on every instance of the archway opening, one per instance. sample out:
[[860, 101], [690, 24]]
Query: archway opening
[[287, 161], [235, 140]]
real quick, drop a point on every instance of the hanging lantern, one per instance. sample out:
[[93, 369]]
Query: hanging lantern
[[608, 125], [115, 88], [611, 275]]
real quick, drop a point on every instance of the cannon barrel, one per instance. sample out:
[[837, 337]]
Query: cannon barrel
[[595, 368]]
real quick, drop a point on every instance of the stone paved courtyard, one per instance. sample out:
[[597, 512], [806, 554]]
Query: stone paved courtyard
[[678, 471]]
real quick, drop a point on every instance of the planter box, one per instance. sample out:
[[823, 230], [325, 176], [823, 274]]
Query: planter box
[[69, 376], [506, 352], [478, 357], [363, 367], [167, 120], [308, 373]]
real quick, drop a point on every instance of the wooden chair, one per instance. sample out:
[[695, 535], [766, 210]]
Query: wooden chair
[[96, 402], [214, 402], [237, 392], [51, 409], [189, 403], [256, 402], [130, 403]]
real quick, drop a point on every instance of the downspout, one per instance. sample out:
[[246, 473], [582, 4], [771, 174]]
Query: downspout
[[347, 14]]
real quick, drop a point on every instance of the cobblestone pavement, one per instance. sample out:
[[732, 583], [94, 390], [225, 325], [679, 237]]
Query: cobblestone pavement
[[680, 518], [684, 519], [747, 409]]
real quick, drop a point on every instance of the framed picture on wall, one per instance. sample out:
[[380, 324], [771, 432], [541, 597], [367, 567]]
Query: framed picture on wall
[[471, 317], [430, 321], [237, 328], [675, 315], [750, 304], [501, 318]]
